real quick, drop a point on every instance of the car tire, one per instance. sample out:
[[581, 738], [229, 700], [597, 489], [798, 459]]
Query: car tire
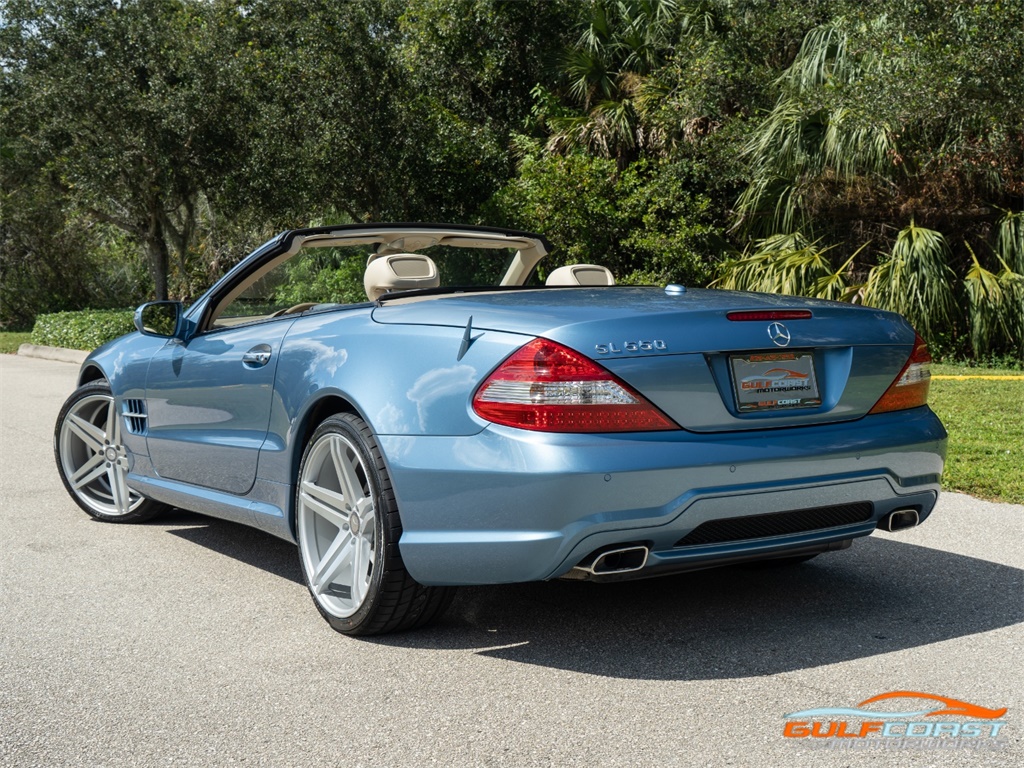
[[347, 527], [92, 460]]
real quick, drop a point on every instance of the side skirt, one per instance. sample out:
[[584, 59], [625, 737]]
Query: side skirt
[[238, 509]]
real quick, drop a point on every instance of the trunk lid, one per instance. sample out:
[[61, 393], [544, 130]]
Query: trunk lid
[[684, 354]]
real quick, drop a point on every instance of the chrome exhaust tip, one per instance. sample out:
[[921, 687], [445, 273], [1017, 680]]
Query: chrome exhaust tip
[[621, 560], [899, 520]]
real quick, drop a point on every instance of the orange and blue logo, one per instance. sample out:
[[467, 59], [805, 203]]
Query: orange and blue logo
[[904, 715], [776, 377]]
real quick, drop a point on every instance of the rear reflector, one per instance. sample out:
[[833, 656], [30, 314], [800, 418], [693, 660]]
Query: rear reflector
[[774, 314], [546, 387], [910, 389]]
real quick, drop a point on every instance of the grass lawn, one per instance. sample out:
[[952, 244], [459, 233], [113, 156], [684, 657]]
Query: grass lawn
[[9, 342], [985, 420]]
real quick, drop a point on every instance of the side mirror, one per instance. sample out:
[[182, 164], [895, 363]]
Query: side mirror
[[159, 318]]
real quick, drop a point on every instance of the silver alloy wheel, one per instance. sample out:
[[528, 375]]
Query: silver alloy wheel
[[93, 458], [337, 525]]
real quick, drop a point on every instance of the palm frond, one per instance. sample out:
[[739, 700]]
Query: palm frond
[[620, 46], [606, 130], [993, 321], [567, 134], [853, 149], [597, 33], [834, 286], [801, 144], [1010, 240], [824, 57], [786, 263], [589, 75], [915, 280]]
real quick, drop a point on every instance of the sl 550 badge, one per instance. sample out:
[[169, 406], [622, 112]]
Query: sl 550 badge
[[655, 345]]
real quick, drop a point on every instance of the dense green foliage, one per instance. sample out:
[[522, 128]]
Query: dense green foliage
[[862, 150], [86, 329], [339, 282], [644, 223]]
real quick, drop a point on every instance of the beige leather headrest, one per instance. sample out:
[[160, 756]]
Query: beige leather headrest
[[399, 272], [581, 274]]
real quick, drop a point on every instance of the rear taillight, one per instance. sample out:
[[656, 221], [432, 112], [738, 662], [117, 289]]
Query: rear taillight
[[910, 389], [547, 387]]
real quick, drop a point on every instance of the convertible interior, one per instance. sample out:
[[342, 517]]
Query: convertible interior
[[325, 271]]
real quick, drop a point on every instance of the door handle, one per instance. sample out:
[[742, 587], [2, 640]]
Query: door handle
[[257, 357]]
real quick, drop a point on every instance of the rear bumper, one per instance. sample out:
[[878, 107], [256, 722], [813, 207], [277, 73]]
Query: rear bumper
[[510, 506]]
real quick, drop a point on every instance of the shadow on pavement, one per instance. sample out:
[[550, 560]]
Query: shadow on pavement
[[247, 545], [878, 597]]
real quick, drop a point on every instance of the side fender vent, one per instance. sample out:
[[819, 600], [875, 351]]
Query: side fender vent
[[135, 417]]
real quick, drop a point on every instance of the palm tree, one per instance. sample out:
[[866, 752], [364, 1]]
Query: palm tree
[[805, 144], [915, 280], [622, 44]]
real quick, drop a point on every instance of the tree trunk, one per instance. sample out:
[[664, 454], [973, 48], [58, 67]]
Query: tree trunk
[[156, 250]]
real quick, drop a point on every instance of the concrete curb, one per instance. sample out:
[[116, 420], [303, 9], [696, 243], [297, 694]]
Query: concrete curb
[[60, 354]]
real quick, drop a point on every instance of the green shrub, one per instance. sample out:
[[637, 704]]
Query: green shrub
[[642, 220], [82, 330]]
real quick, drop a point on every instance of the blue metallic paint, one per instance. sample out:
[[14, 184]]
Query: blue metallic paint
[[690, 322], [208, 410]]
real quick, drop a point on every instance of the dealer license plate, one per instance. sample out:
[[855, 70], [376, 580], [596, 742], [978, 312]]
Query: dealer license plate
[[772, 381]]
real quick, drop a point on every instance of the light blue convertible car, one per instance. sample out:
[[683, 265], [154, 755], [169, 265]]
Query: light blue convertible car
[[417, 410]]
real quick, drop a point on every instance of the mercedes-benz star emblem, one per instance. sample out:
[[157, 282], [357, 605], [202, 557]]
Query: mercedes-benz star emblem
[[779, 334]]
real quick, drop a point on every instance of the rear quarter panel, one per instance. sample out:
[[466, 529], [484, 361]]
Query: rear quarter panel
[[403, 380]]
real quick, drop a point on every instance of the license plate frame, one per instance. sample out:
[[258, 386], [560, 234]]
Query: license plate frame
[[774, 381]]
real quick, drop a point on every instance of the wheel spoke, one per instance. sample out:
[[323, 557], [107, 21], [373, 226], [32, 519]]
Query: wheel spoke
[[119, 490], [367, 526], [358, 571], [331, 498], [89, 434], [337, 556], [113, 430], [364, 508], [88, 472], [329, 513], [351, 488]]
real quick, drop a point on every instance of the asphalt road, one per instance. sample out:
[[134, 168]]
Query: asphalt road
[[190, 641]]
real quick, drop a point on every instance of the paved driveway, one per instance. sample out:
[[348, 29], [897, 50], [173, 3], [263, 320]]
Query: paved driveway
[[190, 641]]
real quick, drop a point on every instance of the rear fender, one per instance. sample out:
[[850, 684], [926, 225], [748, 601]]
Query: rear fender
[[424, 388]]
